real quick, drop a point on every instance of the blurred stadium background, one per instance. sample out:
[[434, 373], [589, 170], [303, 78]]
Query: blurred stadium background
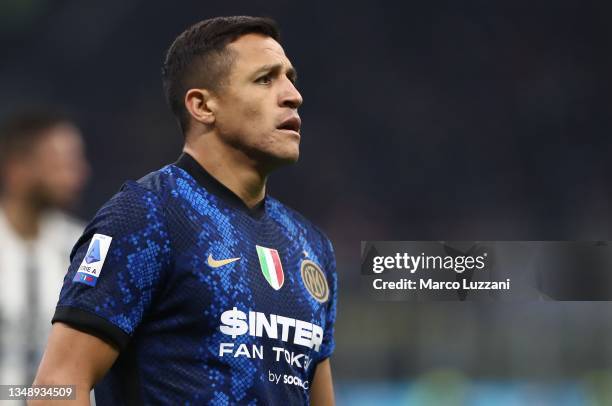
[[432, 120]]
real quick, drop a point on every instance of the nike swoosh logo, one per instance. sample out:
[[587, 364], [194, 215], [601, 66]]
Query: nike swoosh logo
[[213, 263]]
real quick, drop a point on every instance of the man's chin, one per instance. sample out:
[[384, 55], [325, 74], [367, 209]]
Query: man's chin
[[293, 157]]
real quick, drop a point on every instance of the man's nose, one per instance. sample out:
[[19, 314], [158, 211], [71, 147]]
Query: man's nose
[[290, 96]]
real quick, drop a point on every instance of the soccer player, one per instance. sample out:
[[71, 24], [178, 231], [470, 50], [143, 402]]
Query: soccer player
[[192, 285], [43, 170]]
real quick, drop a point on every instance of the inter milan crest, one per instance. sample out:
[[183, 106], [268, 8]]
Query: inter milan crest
[[271, 266], [315, 281]]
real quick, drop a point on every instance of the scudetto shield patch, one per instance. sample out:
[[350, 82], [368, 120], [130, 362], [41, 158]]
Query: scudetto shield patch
[[315, 281]]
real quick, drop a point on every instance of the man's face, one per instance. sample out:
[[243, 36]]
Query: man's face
[[59, 169], [256, 110]]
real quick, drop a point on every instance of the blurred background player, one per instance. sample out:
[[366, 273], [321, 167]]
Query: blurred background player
[[42, 172]]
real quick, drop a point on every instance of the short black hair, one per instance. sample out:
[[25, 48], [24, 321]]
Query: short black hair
[[22, 130], [198, 57]]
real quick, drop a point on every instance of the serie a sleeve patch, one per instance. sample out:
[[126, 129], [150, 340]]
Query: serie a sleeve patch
[[91, 266]]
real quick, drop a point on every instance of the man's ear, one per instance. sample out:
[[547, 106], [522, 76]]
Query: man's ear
[[200, 103]]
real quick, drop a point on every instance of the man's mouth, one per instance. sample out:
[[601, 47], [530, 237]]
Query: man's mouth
[[292, 123]]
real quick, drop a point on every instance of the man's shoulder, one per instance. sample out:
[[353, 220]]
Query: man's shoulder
[[140, 197], [155, 186], [138, 208], [158, 182]]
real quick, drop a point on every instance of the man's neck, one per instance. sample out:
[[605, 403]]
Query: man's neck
[[22, 216], [230, 167]]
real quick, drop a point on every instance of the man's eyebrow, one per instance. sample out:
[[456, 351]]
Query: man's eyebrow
[[275, 68]]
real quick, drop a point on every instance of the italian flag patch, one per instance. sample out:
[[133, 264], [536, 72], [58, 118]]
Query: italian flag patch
[[271, 266]]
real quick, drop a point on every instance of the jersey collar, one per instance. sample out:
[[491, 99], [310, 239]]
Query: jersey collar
[[212, 185]]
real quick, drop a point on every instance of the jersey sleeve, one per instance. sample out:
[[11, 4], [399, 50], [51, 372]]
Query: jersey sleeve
[[328, 345], [117, 267]]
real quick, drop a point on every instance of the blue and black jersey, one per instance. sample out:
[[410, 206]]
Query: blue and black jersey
[[209, 301]]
